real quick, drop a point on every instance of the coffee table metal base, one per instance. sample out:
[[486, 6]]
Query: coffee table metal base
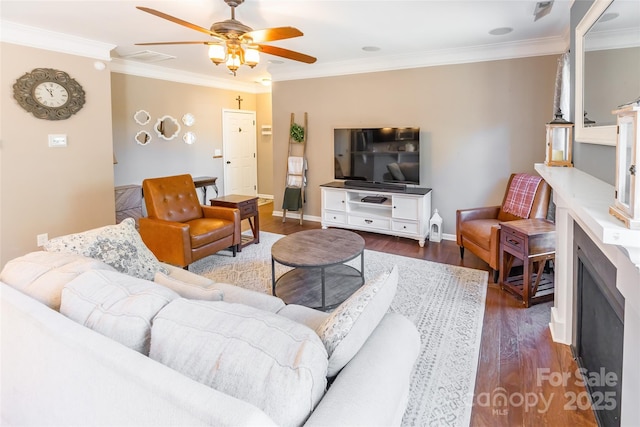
[[322, 288]]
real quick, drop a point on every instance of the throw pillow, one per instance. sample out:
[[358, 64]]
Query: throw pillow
[[189, 290], [118, 245], [42, 275], [116, 305], [346, 330], [274, 363]]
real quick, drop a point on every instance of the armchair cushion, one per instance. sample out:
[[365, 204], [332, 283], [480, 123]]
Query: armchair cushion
[[479, 231], [118, 245], [203, 231]]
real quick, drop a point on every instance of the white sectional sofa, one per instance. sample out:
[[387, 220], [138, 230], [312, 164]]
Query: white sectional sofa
[[75, 332]]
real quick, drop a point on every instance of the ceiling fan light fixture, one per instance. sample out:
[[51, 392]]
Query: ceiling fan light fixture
[[233, 62], [251, 57], [217, 53]]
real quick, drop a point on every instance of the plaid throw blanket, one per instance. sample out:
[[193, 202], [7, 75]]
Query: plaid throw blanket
[[521, 194]]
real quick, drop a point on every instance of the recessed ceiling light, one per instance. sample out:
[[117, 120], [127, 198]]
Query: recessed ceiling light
[[371, 48], [500, 31], [608, 17], [275, 61]]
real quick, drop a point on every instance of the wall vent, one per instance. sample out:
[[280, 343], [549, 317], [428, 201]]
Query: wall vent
[[147, 56]]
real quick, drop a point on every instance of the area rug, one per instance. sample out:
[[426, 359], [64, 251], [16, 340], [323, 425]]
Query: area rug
[[446, 303]]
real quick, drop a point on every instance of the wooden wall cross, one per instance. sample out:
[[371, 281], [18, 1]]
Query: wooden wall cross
[[239, 101]]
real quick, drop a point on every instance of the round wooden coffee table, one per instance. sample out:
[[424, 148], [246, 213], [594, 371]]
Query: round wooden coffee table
[[320, 279]]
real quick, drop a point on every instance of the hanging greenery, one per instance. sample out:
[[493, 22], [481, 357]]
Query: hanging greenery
[[297, 132]]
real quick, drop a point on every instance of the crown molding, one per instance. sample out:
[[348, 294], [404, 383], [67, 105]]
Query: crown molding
[[493, 52], [613, 39], [58, 42], [140, 69]]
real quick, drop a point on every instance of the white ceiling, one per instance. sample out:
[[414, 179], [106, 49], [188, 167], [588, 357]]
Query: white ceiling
[[408, 33]]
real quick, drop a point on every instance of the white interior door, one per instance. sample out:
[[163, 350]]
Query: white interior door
[[239, 146]]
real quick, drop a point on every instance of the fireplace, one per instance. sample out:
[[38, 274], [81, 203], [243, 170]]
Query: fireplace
[[599, 328]]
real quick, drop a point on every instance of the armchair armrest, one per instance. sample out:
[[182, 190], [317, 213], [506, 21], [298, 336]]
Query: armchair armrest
[[230, 214], [169, 241]]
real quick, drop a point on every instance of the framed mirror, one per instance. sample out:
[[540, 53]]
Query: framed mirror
[[143, 137], [188, 119], [189, 138], [167, 128], [141, 117], [607, 43]]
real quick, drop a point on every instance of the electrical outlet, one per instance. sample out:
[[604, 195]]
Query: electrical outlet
[[42, 239]]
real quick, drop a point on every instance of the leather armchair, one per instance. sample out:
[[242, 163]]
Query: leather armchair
[[478, 229], [178, 229]]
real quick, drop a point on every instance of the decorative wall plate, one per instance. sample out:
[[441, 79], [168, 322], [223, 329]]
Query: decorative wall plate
[[49, 94], [188, 119], [189, 138]]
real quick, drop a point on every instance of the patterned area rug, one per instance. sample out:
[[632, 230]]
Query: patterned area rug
[[446, 303]]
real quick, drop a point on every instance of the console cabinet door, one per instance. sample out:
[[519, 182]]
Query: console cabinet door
[[406, 208], [334, 200]]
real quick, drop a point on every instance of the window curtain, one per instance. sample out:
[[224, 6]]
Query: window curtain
[[562, 90]]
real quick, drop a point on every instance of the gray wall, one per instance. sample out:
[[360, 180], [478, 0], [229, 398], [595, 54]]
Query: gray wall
[[479, 123]]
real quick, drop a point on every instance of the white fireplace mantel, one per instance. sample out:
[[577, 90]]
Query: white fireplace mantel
[[589, 199], [585, 200]]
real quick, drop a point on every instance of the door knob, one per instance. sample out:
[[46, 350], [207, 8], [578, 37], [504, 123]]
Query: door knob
[[228, 162]]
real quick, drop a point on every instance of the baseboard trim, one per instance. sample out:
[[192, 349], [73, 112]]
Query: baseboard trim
[[296, 215]]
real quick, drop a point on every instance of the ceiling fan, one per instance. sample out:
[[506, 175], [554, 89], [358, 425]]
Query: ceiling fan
[[234, 43]]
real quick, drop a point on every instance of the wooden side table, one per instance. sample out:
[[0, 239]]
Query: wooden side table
[[533, 242], [248, 206]]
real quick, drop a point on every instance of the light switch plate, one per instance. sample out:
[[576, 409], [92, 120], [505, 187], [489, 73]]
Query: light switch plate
[[57, 140]]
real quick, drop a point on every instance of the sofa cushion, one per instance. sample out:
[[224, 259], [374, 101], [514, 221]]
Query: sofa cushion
[[267, 360], [42, 275], [190, 290], [345, 331], [119, 245], [116, 305]]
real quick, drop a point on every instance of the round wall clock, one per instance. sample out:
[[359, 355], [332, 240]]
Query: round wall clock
[[49, 94]]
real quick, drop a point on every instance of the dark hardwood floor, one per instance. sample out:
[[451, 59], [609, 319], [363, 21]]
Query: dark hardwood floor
[[521, 370]]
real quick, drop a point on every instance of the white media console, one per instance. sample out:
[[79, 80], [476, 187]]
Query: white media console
[[404, 213]]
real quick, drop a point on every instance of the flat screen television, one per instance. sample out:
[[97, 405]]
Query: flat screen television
[[381, 155]]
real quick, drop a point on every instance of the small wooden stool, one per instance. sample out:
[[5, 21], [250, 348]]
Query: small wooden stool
[[533, 242]]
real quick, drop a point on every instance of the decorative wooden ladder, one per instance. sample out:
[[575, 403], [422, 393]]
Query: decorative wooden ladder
[[295, 181]]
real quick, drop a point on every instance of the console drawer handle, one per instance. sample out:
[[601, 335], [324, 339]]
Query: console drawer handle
[[513, 242], [368, 221]]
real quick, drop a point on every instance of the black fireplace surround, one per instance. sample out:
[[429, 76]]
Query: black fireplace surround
[[598, 328]]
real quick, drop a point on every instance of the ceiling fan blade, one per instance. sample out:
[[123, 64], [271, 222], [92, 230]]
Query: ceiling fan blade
[[178, 21], [286, 53], [161, 43], [272, 34]]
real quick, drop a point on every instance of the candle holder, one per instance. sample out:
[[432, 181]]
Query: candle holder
[[559, 141]]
